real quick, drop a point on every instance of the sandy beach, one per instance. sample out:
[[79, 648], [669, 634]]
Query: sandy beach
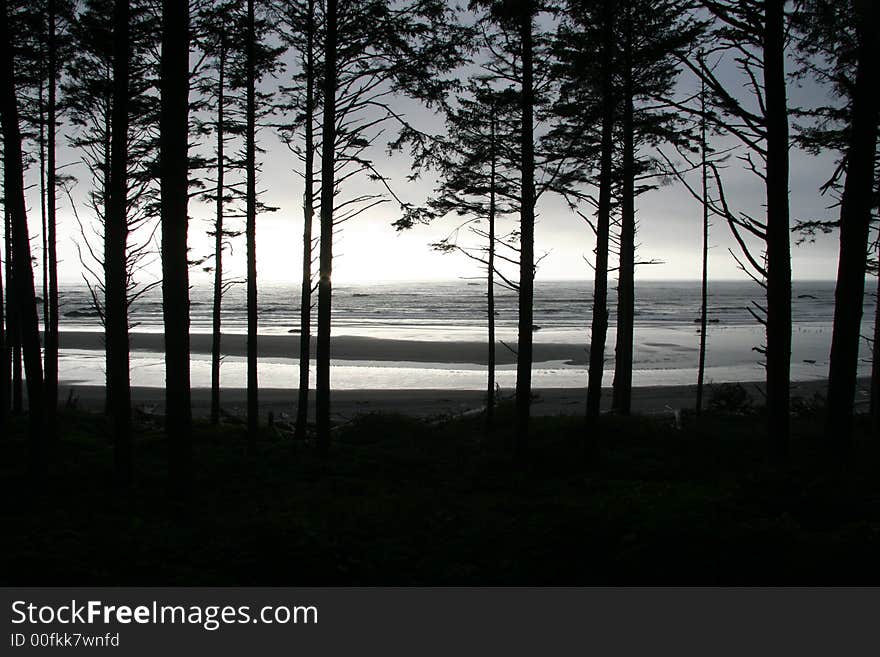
[[344, 347], [426, 402]]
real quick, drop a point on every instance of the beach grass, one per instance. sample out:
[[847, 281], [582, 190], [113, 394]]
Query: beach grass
[[435, 501]]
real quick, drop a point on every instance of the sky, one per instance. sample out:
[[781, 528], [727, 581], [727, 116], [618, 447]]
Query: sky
[[369, 249]]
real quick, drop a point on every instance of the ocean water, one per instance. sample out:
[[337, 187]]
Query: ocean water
[[666, 332]]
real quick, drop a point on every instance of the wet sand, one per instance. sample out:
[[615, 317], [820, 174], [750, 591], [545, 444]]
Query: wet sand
[[343, 347]]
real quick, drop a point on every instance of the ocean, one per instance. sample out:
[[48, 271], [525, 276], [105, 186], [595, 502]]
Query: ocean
[[666, 332]]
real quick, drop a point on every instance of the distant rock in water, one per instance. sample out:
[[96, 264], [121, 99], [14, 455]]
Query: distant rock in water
[[360, 294], [294, 330]]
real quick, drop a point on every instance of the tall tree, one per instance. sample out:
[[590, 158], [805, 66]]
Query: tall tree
[[477, 164], [651, 36], [842, 39], [4, 357], [14, 201], [525, 330], [704, 255], [514, 51], [173, 165], [300, 30], [253, 408], [221, 40], [115, 245], [110, 101], [372, 49], [756, 36], [325, 266]]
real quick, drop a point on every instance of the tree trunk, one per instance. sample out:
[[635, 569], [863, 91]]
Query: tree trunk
[[25, 297], [527, 238], [4, 362], [44, 269], [855, 220], [599, 329], [13, 398], [328, 140], [305, 300], [622, 387], [875, 363], [704, 281], [251, 233], [778, 229], [173, 152], [13, 334], [115, 256], [51, 338], [218, 242], [490, 282]]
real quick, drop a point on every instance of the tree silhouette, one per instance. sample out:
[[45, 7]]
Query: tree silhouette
[[477, 162], [14, 201], [756, 36], [590, 101], [109, 99], [842, 38], [221, 41], [173, 165], [300, 22], [259, 60], [371, 50], [115, 245]]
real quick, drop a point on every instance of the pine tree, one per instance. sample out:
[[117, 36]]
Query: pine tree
[[840, 46], [755, 36], [371, 49], [477, 167], [300, 22], [14, 202], [221, 41], [173, 166]]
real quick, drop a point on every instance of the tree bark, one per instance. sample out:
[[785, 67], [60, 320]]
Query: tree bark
[[251, 232], [855, 219], [115, 256], [13, 334], [490, 282], [328, 141], [25, 295], [305, 300], [875, 364], [778, 355], [621, 400], [599, 328], [13, 399], [704, 280], [51, 338], [218, 240], [527, 236], [173, 152], [4, 361]]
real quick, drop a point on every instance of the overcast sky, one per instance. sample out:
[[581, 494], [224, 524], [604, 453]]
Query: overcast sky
[[369, 249]]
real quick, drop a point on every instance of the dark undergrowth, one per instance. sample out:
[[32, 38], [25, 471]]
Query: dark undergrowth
[[403, 501]]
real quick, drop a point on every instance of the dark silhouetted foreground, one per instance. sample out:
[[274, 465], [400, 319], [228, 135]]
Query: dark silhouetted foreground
[[407, 501]]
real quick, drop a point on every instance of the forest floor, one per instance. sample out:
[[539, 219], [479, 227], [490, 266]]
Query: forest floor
[[403, 501]]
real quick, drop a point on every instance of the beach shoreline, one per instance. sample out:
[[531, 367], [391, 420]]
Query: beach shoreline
[[281, 402]]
